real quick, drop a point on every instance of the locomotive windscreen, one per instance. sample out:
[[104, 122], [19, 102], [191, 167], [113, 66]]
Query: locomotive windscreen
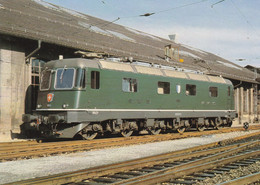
[[64, 78]]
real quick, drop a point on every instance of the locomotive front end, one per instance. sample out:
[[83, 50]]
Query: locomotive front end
[[61, 89]]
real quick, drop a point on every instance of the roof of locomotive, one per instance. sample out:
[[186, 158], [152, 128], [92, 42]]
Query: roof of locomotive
[[72, 62], [134, 68]]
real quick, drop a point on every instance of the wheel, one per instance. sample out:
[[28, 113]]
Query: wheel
[[155, 131], [229, 123], [200, 128], [218, 127], [89, 135], [218, 124], [181, 130], [127, 133]]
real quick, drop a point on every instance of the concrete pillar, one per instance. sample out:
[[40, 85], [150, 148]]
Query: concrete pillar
[[248, 105], [255, 101], [258, 107], [238, 103], [252, 102], [5, 91], [241, 105], [14, 80], [235, 99]]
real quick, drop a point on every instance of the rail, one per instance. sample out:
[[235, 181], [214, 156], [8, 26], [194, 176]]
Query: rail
[[244, 180]]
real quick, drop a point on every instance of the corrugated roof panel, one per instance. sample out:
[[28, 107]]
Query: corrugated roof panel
[[121, 36], [116, 66], [148, 70], [175, 74], [198, 77], [216, 79]]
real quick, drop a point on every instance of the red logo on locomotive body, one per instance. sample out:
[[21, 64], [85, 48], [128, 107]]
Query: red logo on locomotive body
[[50, 97]]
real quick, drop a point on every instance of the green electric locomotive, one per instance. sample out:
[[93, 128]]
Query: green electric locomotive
[[83, 97]]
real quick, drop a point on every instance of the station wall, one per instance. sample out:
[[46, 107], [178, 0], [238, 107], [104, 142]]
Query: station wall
[[15, 77], [247, 104]]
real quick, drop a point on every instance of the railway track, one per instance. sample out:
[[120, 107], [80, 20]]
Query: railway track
[[252, 178], [191, 165], [31, 149]]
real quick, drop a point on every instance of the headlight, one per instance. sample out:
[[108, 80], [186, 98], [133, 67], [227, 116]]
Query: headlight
[[28, 118], [65, 106]]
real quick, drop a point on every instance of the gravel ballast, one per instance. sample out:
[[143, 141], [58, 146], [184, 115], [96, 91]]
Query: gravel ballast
[[233, 174], [12, 171]]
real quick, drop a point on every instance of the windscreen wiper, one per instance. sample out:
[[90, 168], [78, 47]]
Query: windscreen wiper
[[61, 76]]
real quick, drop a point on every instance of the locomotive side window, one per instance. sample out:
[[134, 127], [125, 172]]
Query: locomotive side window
[[190, 90], [64, 78], [229, 91], [45, 80], [213, 91], [95, 80], [80, 78], [129, 85], [163, 88]]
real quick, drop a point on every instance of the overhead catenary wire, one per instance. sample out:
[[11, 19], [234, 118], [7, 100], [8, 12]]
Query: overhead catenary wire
[[182, 6], [217, 3], [244, 17], [152, 13], [105, 24]]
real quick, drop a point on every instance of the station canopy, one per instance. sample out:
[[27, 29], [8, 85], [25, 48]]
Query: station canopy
[[39, 20]]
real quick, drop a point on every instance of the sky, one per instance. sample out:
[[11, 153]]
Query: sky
[[227, 28]]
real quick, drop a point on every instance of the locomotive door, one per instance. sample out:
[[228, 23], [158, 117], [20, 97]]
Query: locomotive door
[[229, 100], [32, 90]]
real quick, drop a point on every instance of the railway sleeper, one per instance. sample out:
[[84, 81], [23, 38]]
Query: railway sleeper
[[121, 176], [105, 179], [195, 178], [182, 181], [215, 171]]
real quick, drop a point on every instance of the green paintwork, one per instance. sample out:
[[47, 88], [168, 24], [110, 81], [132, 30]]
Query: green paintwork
[[111, 96]]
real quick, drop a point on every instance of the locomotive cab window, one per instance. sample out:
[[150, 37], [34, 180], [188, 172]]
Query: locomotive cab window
[[229, 91], [163, 88], [190, 90], [213, 91], [129, 85], [65, 78], [95, 80], [80, 78], [45, 80]]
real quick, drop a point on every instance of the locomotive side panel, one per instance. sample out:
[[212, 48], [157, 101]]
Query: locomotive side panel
[[112, 96]]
